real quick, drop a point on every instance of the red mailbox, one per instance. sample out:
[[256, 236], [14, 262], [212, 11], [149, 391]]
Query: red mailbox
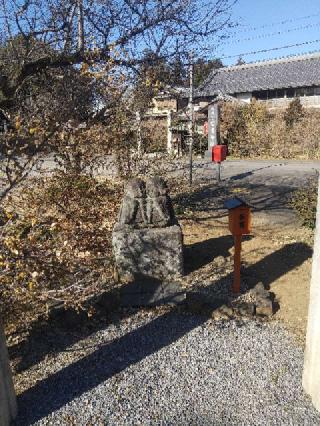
[[219, 153]]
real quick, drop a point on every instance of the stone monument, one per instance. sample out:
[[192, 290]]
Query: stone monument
[[311, 373], [148, 244], [8, 405]]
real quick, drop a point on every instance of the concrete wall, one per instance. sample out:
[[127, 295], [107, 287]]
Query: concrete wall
[[311, 373], [8, 405]]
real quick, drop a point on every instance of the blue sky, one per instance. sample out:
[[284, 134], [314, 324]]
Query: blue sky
[[258, 13]]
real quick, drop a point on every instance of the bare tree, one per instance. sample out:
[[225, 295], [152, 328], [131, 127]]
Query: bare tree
[[104, 31]]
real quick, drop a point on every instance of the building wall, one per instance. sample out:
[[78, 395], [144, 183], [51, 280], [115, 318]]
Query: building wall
[[306, 101], [164, 104], [246, 97]]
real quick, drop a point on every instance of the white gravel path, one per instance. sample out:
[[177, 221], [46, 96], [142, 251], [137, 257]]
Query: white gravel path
[[174, 369]]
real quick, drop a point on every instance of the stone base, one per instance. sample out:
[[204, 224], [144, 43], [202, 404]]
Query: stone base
[[8, 404], [155, 253], [151, 293], [149, 261]]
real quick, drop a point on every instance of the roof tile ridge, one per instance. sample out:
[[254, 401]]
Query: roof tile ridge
[[286, 59]]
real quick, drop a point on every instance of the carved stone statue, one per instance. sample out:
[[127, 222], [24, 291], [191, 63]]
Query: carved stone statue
[[159, 208], [132, 211], [147, 239], [146, 205]]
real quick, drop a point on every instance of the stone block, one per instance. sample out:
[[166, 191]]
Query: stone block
[[149, 252]]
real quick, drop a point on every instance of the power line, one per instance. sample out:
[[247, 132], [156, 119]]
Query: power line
[[272, 24], [270, 50], [261, 36]]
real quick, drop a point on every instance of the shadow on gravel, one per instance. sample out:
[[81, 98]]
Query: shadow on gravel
[[72, 381], [56, 336]]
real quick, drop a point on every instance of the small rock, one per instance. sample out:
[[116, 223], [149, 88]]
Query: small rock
[[246, 309], [225, 310], [260, 293], [220, 260], [264, 307]]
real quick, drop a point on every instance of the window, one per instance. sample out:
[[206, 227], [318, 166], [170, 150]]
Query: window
[[290, 92], [309, 91], [272, 94], [280, 93], [260, 95], [300, 91]]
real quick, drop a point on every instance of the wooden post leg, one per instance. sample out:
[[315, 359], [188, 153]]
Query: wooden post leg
[[237, 262]]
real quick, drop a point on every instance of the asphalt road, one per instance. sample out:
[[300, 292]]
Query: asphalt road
[[268, 172], [267, 185]]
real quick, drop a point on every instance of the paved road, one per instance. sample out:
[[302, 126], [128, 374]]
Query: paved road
[[267, 185], [267, 172]]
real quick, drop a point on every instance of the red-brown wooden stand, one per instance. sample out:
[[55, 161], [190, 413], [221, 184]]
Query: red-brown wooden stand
[[237, 264]]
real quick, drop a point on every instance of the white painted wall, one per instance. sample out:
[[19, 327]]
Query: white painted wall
[[311, 373], [246, 97]]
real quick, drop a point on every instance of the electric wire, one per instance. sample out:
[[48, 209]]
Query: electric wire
[[255, 52], [273, 24], [262, 36]]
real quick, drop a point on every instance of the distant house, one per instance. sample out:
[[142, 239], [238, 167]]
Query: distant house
[[275, 82]]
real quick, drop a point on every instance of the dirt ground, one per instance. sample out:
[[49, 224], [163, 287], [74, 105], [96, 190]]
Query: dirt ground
[[279, 256]]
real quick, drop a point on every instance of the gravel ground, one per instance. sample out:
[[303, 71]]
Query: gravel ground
[[172, 368]]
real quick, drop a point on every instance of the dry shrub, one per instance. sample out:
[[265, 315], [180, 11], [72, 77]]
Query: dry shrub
[[251, 131], [304, 202], [58, 245]]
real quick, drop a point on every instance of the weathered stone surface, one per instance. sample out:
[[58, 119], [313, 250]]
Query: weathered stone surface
[[156, 253], [148, 244], [264, 307], [145, 205], [159, 209], [260, 292], [8, 405], [246, 309]]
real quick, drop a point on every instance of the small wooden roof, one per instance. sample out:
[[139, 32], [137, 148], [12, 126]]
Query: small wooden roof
[[234, 203]]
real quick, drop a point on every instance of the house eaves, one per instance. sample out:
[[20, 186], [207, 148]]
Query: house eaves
[[297, 71]]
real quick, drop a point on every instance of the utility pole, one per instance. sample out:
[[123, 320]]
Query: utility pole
[[139, 136], [80, 26], [191, 116]]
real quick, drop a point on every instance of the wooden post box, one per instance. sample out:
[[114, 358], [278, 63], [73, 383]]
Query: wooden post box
[[239, 224]]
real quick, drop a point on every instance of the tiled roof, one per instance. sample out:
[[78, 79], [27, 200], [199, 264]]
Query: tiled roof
[[297, 71]]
